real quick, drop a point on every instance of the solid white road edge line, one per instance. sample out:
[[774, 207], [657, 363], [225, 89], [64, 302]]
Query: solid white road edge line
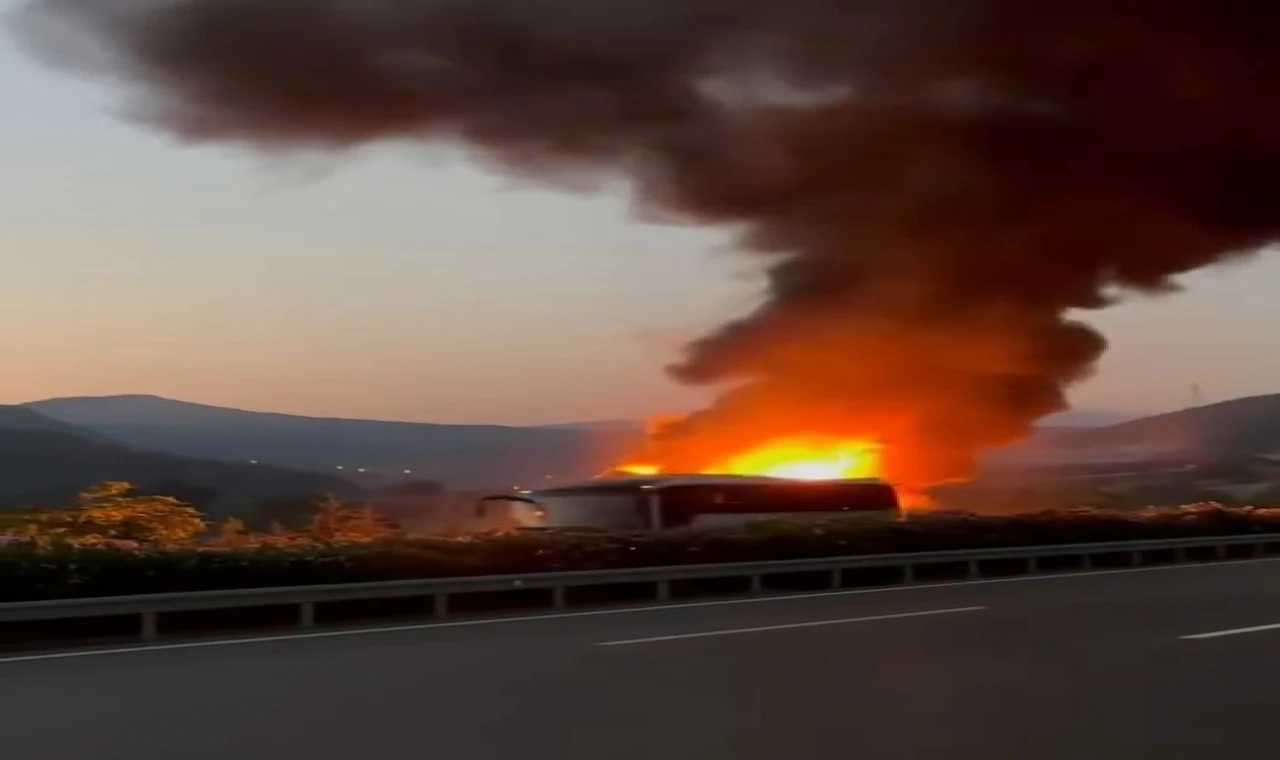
[[617, 611], [785, 626], [1232, 631]]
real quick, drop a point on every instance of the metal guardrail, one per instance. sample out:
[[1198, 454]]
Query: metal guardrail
[[663, 582]]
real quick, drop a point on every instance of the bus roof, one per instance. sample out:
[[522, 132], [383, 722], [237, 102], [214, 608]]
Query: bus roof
[[650, 482]]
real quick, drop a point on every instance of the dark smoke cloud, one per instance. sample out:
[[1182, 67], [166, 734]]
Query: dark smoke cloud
[[935, 184]]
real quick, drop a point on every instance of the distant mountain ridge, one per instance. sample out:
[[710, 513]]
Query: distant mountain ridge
[[374, 452], [462, 456], [1237, 427], [45, 461], [633, 425], [1085, 418], [25, 418], [1223, 431]]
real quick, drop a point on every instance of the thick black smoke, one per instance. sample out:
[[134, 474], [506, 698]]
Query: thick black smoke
[[935, 184]]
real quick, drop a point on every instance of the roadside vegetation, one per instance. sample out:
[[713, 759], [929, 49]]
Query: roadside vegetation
[[115, 540]]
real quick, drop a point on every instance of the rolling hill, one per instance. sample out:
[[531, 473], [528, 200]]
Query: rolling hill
[[370, 451], [375, 453], [1214, 433], [44, 461], [1239, 427], [25, 418]]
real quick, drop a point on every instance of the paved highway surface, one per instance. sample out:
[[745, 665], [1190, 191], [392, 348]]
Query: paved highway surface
[[1095, 667]]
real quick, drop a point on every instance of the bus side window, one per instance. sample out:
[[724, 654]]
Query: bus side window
[[678, 505], [644, 512]]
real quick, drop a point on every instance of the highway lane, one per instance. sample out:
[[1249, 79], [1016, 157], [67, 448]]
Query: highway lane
[[1068, 667]]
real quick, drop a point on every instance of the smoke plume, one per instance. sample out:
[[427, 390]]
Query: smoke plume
[[934, 185]]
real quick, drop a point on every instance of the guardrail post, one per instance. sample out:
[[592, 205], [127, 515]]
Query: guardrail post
[[558, 597], [150, 628], [971, 569], [662, 591], [757, 583], [836, 578], [306, 615], [1180, 554], [908, 573], [1086, 561], [440, 605], [1033, 565]]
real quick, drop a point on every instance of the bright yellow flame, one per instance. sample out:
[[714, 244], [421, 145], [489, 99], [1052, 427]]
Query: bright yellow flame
[[806, 470], [640, 469], [806, 459], [794, 458]]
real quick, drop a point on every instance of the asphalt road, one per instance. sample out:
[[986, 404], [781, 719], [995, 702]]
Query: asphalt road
[[1092, 666]]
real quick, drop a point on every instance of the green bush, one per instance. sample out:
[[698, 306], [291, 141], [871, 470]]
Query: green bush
[[32, 571]]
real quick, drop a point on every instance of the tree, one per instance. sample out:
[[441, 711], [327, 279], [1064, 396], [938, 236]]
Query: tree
[[116, 510], [336, 520], [290, 513], [234, 533]]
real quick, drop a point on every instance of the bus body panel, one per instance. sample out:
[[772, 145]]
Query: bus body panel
[[730, 519], [675, 502]]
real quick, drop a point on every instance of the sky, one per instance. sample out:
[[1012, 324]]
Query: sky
[[410, 282]]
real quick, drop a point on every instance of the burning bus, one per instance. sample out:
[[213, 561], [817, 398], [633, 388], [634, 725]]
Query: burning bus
[[661, 502]]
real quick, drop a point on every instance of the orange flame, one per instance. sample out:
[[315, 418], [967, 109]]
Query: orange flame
[[800, 458]]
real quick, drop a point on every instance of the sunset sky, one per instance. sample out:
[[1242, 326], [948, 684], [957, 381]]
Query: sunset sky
[[410, 283]]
